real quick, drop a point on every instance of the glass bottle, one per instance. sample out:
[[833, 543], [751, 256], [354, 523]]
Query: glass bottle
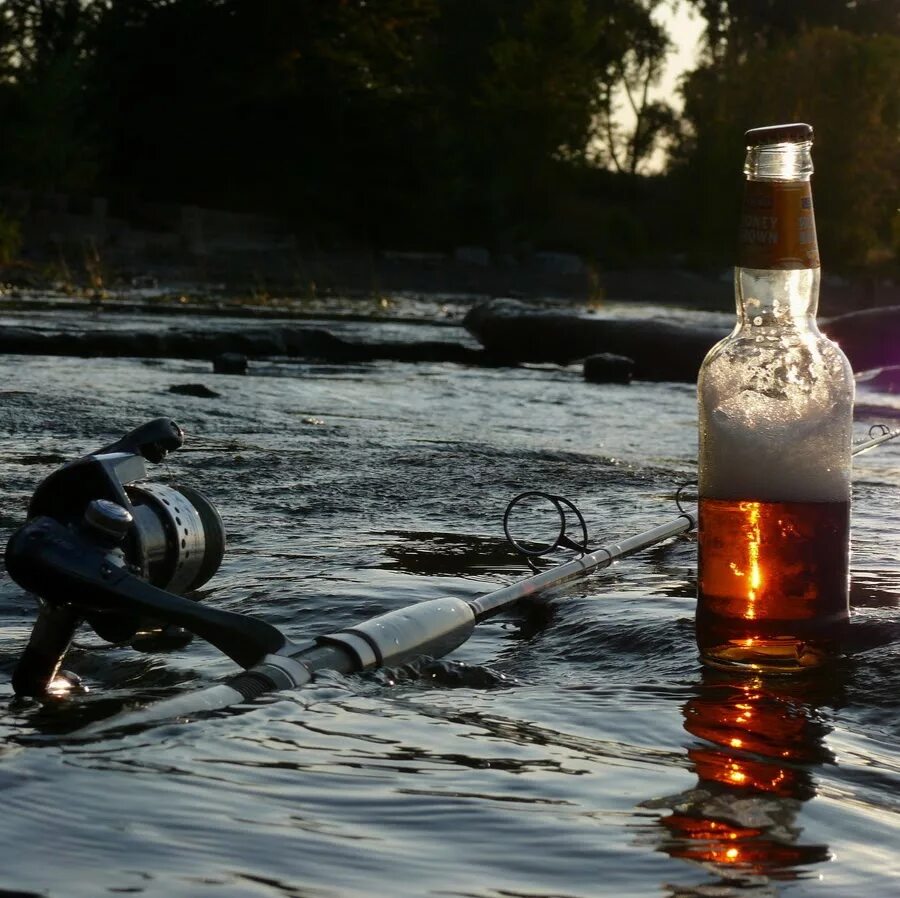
[[775, 416]]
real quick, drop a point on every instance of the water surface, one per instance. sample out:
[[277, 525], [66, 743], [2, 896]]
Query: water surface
[[573, 749]]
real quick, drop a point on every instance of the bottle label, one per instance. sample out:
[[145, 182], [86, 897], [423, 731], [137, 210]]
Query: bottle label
[[778, 226]]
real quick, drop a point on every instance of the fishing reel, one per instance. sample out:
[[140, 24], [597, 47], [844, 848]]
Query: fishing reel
[[104, 546]]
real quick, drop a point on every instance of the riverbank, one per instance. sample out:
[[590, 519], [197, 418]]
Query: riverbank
[[263, 277]]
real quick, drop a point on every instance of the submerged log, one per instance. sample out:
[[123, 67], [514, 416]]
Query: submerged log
[[870, 338], [885, 380], [291, 342], [661, 349]]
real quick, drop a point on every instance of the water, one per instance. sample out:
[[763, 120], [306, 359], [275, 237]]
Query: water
[[574, 749]]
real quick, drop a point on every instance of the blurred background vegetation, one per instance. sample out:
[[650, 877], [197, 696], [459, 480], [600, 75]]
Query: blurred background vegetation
[[429, 124]]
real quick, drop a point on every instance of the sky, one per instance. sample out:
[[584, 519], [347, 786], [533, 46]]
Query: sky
[[685, 27]]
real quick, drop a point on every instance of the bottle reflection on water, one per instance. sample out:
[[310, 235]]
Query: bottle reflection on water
[[758, 745]]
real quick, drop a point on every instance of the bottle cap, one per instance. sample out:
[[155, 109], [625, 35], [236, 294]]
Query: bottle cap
[[796, 132]]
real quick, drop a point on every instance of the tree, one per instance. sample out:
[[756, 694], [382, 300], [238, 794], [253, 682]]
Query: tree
[[737, 27], [293, 106], [51, 145], [624, 143], [521, 106], [403, 121], [848, 87]]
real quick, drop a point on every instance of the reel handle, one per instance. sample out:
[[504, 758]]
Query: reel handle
[[79, 578]]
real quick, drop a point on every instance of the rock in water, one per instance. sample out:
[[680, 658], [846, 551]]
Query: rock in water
[[606, 368], [198, 390]]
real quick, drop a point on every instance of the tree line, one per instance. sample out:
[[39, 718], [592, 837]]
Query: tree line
[[514, 124]]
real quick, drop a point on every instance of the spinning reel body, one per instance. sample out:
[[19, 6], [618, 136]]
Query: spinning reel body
[[105, 546]]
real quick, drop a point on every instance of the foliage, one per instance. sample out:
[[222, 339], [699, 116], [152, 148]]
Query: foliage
[[10, 239], [42, 81], [402, 121], [516, 100], [735, 28], [637, 69], [424, 123], [848, 86]]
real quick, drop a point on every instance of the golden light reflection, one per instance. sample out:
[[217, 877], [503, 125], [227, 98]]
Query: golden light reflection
[[754, 540], [60, 687], [756, 750], [753, 572]]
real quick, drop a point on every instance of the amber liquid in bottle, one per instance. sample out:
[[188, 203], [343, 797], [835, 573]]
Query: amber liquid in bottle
[[775, 411], [773, 582]]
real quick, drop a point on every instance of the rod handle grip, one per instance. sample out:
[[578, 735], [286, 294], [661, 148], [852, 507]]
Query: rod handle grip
[[433, 628]]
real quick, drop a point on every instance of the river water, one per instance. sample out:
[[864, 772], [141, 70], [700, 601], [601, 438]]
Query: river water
[[572, 749]]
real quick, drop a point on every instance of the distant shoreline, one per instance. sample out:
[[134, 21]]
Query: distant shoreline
[[262, 275], [78, 245]]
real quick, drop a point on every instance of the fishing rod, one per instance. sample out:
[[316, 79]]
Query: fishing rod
[[104, 547], [878, 434], [432, 628]]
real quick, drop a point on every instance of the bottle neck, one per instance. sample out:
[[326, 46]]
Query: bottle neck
[[777, 299], [777, 278]]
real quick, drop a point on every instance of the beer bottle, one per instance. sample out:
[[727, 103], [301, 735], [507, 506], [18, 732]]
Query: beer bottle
[[775, 418]]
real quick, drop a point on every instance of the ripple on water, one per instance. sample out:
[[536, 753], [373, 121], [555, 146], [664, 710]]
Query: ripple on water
[[575, 749]]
